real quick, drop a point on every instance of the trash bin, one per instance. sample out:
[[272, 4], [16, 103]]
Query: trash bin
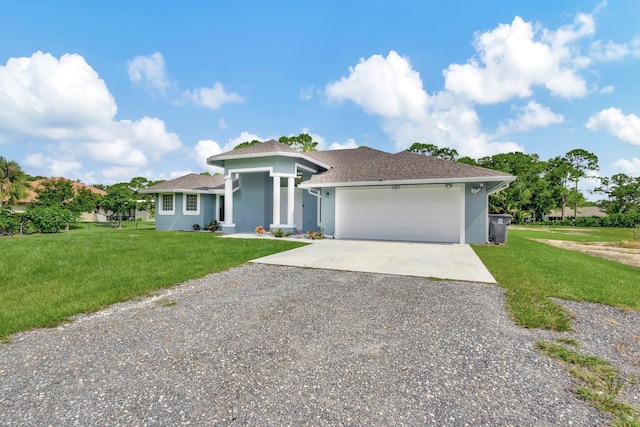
[[498, 229]]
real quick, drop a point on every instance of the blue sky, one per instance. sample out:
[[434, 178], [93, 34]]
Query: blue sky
[[103, 91]]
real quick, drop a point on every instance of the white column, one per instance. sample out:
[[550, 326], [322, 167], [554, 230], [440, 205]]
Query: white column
[[217, 205], [228, 200], [290, 199], [276, 201]]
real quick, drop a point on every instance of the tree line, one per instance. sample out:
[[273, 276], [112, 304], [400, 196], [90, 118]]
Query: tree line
[[545, 185]]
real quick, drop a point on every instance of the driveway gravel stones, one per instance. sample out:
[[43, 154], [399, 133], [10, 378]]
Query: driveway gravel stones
[[271, 345]]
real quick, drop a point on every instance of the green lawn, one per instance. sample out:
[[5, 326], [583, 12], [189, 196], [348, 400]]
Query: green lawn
[[44, 279], [532, 272]]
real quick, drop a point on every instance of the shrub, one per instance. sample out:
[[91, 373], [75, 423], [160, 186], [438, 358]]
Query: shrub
[[278, 233], [50, 219], [629, 220], [213, 225], [314, 235], [196, 227], [9, 222]]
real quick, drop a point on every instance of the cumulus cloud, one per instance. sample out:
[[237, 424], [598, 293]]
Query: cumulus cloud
[[349, 143], [391, 89], [630, 167], [388, 87], [514, 58], [206, 148], [62, 102], [149, 71], [531, 116], [614, 121]]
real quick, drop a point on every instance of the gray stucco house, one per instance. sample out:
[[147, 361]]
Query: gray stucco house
[[359, 193]]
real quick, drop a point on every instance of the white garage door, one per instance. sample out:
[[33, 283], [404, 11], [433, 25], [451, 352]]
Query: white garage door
[[410, 212]]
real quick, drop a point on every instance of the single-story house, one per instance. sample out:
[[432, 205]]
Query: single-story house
[[32, 195], [586, 211], [359, 193]]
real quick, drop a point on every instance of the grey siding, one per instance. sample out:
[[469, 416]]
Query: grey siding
[[475, 214], [328, 210], [179, 221], [253, 202]]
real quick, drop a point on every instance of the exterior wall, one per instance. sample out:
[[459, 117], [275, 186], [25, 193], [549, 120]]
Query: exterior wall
[[309, 212], [180, 221], [252, 203], [328, 210], [476, 215]]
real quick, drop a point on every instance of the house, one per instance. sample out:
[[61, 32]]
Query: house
[[359, 193], [587, 211], [32, 195]]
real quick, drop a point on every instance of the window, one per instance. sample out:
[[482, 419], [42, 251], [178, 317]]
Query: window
[[191, 204], [166, 205]]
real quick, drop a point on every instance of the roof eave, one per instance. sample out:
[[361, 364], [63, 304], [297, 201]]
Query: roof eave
[[219, 160], [502, 179]]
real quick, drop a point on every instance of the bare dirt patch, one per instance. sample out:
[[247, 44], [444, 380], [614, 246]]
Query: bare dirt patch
[[622, 252]]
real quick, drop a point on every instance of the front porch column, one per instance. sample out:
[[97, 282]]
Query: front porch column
[[228, 226], [276, 202], [290, 200]]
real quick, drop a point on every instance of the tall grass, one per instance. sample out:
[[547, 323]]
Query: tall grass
[[44, 279]]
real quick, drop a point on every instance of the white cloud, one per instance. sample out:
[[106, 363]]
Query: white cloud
[[611, 51], [531, 116], [205, 149], [222, 124], [211, 97], [613, 121], [514, 58], [388, 87], [55, 167], [349, 143], [391, 89], [149, 71], [630, 167], [243, 137], [607, 89], [64, 106]]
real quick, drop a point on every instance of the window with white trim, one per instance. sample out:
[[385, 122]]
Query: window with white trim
[[166, 205], [191, 204]]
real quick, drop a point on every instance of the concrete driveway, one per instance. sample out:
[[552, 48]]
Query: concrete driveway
[[442, 261]]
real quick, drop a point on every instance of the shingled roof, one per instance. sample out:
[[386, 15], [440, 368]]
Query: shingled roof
[[190, 182], [260, 150], [365, 165]]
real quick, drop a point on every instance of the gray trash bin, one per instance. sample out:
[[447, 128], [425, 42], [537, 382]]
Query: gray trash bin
[[498, 229]]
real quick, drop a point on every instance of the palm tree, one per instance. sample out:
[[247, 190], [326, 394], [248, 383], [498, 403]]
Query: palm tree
[[12, 181]]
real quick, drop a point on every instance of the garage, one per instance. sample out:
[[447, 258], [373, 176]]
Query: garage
[[419, 213]]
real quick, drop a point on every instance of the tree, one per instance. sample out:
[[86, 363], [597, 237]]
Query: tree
[[119, 199], [581, 161], [54, 192], [303, 142], [434, 151], [13, 186], [558, 174], [247, 144], [625, 194]]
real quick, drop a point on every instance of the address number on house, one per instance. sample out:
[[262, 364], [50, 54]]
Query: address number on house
[[395, 187]]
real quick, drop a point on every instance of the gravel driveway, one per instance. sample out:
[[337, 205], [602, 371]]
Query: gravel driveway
[[270, 345]]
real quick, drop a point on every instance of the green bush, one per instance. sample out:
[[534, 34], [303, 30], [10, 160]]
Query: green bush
[[50, 219], [630, 220], [9, 222]]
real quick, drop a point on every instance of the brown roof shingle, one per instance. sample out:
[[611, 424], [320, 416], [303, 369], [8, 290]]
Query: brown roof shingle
[[192, 182], [367, 165]]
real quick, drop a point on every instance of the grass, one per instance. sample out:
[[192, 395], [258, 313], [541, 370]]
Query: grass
[[45, 279], [532, 273], [597, 381]]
